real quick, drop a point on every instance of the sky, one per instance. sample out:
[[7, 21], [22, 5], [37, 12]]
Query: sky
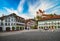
[[28, 8]]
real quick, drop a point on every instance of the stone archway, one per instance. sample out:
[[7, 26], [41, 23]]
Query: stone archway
[[7, 28], [0, 28]]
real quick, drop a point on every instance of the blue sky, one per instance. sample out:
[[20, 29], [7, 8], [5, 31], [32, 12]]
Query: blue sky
[[27, 8]]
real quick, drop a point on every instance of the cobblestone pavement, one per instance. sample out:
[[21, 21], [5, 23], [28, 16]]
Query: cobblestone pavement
[[15, 32], [32, 36]]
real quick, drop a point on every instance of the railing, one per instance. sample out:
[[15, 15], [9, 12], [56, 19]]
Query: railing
[[20, 23]]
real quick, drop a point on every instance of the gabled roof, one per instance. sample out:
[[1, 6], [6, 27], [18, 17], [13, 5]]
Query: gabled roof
[[13, 14], [28, 20]]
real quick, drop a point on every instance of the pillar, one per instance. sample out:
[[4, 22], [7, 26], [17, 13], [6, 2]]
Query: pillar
[[11, 28], [3, 28], [38, 27], [15, 27]]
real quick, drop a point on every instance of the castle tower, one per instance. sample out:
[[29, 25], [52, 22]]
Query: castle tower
[[40, 12]]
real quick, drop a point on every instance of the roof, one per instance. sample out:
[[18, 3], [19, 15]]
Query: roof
[[13, 14], [28, 20], [47, 16], [50, 17]]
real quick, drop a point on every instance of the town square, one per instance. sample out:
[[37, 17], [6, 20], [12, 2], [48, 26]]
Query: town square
[[29, 20]]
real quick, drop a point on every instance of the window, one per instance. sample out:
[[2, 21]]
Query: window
[[8, 20], [1, 23], [12, 19], [14, 23], [6, 24], [5, 20]]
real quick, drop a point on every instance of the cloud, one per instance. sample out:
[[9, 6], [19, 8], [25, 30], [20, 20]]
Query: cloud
[[43, 5], [33, 8], [1, 13], [11, 10], [56, 10], [26, 16], [8, 10], [20, 6]]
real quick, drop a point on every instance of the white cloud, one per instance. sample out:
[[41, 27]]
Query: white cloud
[[1, 13], [41, 4], [56, 10], [26, 16], [9, 10], [33, 8], [20, 6]]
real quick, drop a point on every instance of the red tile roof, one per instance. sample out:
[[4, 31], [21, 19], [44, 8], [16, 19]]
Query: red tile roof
[[48, 17]]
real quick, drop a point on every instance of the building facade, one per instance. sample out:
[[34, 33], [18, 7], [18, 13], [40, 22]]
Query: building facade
[[11, 22], [30, 24], [49, 24], [48, 21]]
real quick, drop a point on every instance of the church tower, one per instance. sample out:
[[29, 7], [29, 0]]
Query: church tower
[[39, 14]]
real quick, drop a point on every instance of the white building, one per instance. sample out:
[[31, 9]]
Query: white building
[[10, 21], [49, 24], [48, 21]]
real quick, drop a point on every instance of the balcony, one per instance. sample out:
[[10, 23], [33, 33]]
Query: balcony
[[19, 23]]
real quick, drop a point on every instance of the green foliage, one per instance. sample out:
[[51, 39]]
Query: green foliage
[[38, 17], [51, 14], [41, 27], [58, 26], [33, 27], [54, 14]]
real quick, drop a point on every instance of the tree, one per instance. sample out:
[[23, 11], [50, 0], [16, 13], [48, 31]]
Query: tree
[[38, 17], [51, 14], [54, 14]]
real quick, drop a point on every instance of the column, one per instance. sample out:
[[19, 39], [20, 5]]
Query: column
[[43, 27], [24, 26], [57, 27], [38, 27], [15, 27], [11, 28], [4, 28]]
